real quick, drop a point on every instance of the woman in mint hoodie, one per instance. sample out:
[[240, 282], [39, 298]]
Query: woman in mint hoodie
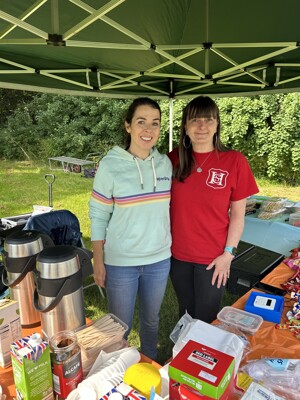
[[130, 225]]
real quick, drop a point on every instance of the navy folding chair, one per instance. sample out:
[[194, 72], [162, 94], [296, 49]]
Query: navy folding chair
[[63, 227]]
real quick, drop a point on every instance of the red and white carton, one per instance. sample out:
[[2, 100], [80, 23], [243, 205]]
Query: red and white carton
[[202, 369], [179, 391]]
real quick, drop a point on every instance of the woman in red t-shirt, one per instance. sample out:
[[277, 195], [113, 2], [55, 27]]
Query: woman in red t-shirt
[[208, 199]]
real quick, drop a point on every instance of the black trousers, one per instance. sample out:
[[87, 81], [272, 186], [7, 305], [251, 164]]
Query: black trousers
[[195, 293]]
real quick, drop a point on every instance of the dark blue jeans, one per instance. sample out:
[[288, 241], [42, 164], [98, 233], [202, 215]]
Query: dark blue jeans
[[194, 291]]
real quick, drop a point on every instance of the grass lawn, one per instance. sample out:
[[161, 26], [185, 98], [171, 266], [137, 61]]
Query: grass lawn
[[23, 184]]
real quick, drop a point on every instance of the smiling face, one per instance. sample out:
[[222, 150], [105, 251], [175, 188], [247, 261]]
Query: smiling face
[[201, 122], [144, 130], [201, 131]]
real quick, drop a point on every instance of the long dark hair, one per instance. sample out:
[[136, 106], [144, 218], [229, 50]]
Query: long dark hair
[[200, 107], [140, 101]]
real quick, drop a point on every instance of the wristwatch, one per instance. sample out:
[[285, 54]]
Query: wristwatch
[[231, 250]]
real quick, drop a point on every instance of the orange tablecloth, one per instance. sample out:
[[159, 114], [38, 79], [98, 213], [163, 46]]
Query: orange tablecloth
[[268, 341]]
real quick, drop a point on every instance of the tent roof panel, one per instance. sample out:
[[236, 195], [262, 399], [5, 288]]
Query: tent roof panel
[[159, 48]]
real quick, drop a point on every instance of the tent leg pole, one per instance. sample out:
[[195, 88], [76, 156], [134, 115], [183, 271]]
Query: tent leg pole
[[171, 101]]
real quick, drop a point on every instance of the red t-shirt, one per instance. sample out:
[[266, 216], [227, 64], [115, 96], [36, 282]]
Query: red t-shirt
[[200, 205]]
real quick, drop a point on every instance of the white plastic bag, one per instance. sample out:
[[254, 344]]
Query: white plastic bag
[[278, 374], [107, 372]]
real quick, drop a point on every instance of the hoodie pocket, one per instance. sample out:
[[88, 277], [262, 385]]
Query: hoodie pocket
[[140, 236]]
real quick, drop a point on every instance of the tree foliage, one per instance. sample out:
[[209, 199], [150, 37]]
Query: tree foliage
[[267, 130], [264, 128], [63, 125]]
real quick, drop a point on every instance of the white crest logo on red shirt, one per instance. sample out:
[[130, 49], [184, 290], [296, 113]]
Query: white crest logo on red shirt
[[217, 178]]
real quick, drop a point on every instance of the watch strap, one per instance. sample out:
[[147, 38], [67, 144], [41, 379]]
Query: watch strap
[[231, 250]]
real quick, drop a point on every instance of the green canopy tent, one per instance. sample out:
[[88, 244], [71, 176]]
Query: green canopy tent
[[158, 48]]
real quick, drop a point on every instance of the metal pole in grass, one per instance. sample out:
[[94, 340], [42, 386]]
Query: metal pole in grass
[[50, 179]]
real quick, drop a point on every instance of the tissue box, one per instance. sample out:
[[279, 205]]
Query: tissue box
[[268, 314], [10, 329], [204, 369]]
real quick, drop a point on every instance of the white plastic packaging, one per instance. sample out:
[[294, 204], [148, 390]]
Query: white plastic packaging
[[259, 392], [107, 372], [278, 374]]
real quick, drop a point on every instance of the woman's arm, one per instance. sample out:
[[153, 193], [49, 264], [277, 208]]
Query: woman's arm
[[236, 223], [235, 231], [98, 264]]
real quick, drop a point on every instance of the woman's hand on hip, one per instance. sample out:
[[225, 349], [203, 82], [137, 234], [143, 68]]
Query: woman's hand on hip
[[222, 269]]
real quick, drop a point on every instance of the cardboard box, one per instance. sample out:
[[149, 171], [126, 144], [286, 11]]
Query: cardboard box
[[10, 329], [179, 391], [206, 370], [32, 369]]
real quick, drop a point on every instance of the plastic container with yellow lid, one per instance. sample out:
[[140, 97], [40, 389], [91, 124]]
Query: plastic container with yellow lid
[[142, 377]]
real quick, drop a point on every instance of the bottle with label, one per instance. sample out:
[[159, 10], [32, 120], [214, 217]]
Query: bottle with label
[[66, 363]]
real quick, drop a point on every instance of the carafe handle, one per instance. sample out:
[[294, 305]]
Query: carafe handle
[[85, 259], [62, 292], [30, 264]]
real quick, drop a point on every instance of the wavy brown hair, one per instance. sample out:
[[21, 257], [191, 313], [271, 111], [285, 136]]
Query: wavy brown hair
[[200, 107]]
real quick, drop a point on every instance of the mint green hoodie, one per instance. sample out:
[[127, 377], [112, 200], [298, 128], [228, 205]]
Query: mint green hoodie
[[129, 207]]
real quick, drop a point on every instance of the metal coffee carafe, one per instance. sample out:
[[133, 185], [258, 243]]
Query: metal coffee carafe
[[19, 257], [59, 292]]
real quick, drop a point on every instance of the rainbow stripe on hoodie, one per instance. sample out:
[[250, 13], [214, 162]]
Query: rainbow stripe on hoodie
[[134, 200]]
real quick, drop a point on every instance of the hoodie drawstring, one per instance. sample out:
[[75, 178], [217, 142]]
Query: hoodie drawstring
[[140, 172], [154, 173], [141, 176]]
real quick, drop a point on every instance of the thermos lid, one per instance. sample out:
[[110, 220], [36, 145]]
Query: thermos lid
[[22, 237], [56, 254], [57, 262], [23, 244]]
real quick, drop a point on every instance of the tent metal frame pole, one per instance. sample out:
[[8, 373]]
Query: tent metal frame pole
[[255, 60], [55, 16], [96, 14], [171, 109], [31, 10], [139, 39], [228, 59], [23, 25]]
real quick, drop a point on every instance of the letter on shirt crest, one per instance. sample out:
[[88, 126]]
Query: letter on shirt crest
[[217, 178]]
